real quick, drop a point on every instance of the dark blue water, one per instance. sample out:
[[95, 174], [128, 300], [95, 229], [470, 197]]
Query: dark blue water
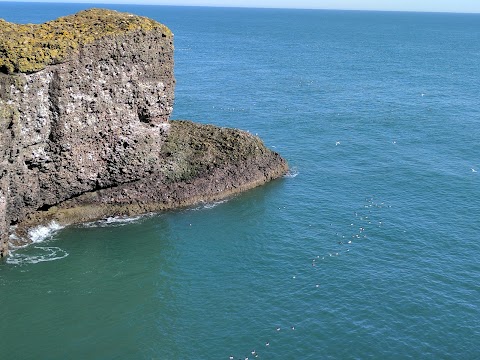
[[369, 249]]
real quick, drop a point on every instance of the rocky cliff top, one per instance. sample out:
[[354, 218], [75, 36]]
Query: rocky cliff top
[[28, 48]]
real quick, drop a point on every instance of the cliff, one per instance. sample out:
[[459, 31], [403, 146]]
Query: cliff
[[85, 102]]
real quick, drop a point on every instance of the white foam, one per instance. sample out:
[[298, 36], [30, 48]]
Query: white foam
[[121, 220], [292, 173], [40, 233], [114, 221], [50, 253], [213, 204], [209, 205]]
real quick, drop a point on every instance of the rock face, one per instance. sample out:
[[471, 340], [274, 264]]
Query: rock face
[[84, 130]]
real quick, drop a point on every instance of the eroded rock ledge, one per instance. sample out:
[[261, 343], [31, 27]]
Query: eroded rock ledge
[[85, 130]]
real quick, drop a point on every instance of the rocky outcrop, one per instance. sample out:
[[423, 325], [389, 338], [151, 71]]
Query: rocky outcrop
[[84, 130]]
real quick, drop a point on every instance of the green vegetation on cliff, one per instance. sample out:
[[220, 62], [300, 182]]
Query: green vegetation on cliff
[[192, 150], [29, 48]]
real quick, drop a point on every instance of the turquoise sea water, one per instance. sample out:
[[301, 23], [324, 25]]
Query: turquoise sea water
[[368, 249]]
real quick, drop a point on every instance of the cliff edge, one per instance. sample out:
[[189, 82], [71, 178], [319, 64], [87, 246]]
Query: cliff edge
[[85, 102]]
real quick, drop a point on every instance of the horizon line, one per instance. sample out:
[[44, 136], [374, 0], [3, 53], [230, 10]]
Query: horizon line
[[92, 2]]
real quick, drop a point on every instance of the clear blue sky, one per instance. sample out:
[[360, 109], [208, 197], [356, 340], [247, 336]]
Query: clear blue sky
[[469, 6]]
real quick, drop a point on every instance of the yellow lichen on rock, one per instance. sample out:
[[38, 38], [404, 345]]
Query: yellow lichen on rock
[[28, 48]]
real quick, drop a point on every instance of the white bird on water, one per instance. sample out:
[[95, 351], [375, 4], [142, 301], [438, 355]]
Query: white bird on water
[[337, 143], [473, 170]]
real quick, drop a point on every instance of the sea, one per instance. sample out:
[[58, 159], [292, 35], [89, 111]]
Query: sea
[[367, 249]]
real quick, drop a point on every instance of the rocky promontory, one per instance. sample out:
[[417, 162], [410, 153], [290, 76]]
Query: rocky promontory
[[85, 102]]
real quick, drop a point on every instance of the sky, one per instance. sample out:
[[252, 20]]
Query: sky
[[467, 6]]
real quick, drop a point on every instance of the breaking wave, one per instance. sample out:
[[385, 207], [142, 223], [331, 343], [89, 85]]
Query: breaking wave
[[41, 233]]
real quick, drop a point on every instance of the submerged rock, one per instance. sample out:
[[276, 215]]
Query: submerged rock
[[85, 102]]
